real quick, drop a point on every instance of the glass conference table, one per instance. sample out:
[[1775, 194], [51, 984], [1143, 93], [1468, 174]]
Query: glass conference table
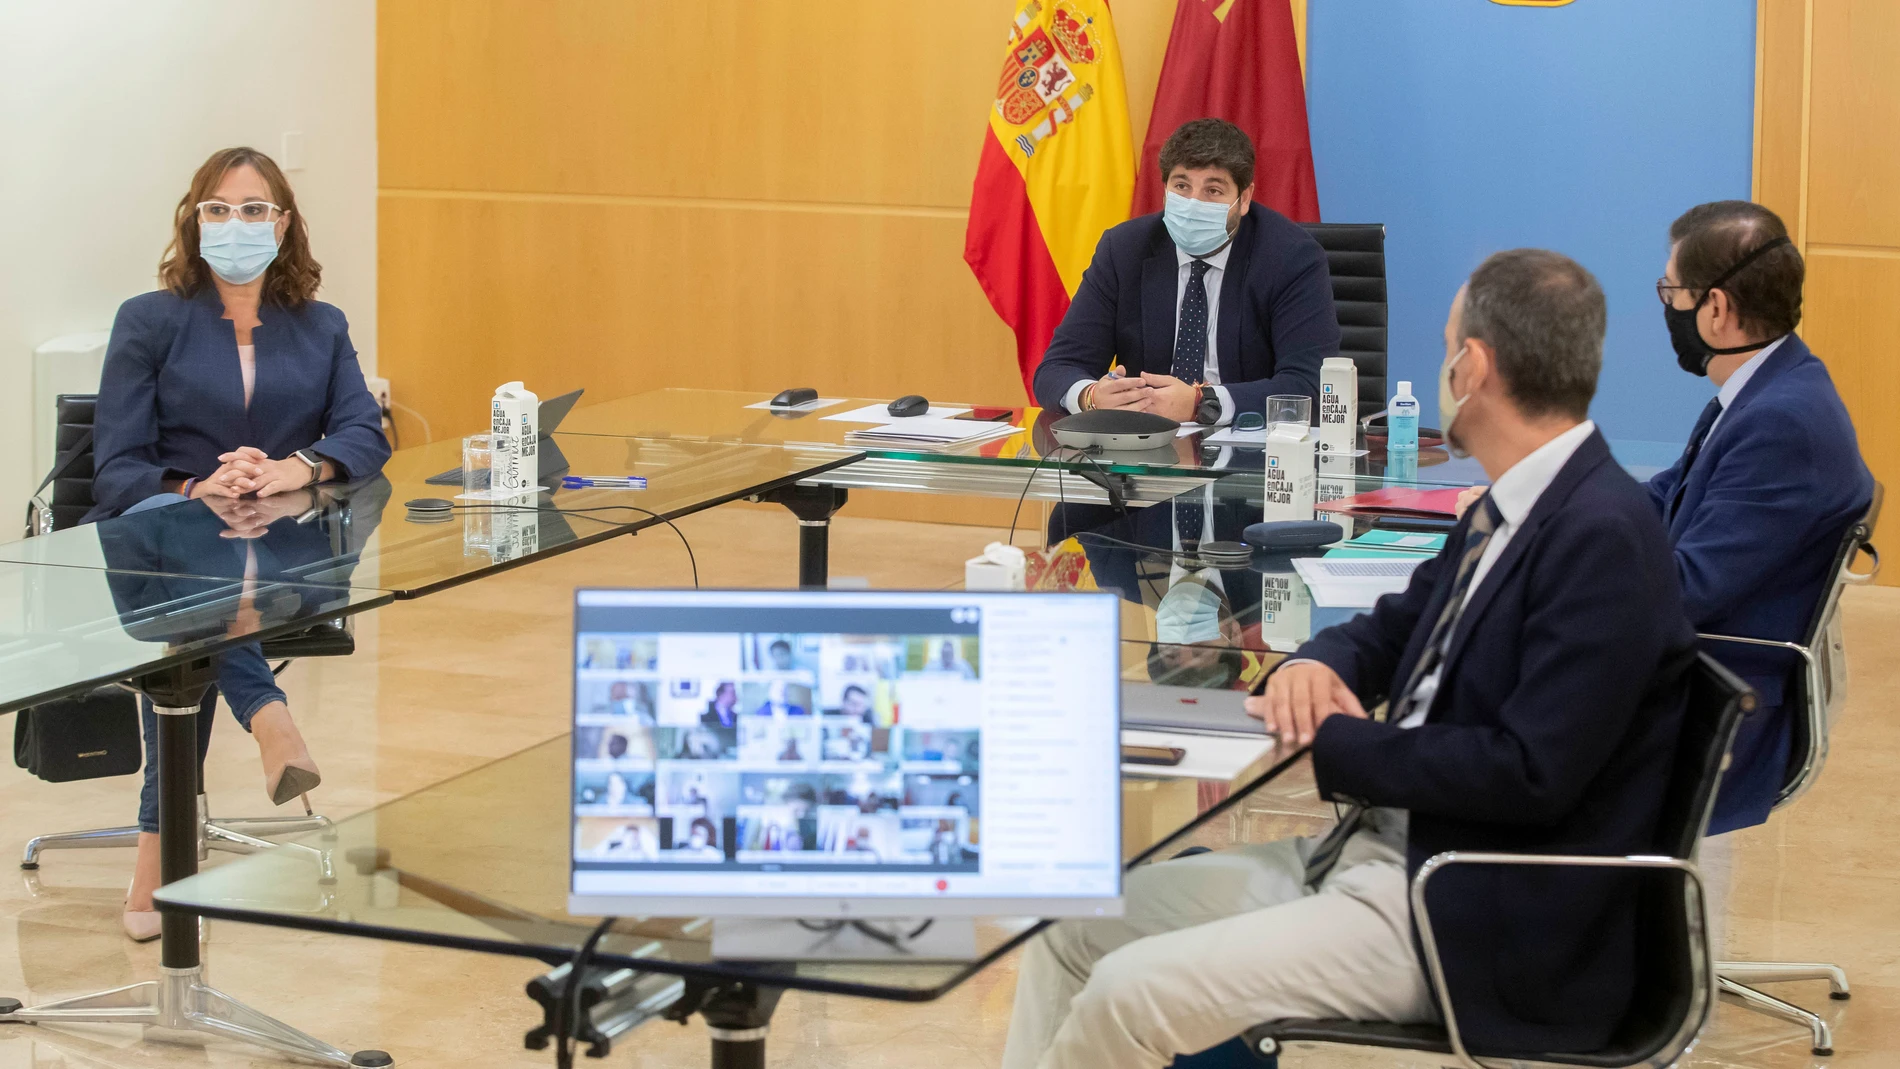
[[213, 578], [1029, 463], [149, 600], [479, 862]]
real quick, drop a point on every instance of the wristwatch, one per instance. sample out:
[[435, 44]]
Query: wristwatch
[[1207, 412], [315, 462]]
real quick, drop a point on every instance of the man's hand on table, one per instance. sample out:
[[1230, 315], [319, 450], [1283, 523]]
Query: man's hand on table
[[1299, 697]]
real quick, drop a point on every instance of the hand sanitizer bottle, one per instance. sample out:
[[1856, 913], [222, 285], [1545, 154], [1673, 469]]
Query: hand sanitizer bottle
[[1401, 417]]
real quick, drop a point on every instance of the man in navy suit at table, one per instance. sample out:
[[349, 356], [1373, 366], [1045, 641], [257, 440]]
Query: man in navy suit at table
[[1770, 481], [1208, 306], [1533, 676]]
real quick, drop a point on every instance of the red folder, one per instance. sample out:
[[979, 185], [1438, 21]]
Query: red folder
[[1399, 501]]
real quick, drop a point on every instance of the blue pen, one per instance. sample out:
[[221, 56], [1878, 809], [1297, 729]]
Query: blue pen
[[607, 482]]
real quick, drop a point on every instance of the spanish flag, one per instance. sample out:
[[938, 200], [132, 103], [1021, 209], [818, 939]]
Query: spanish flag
[[1057, 167]]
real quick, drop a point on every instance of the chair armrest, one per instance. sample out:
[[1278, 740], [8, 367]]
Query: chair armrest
[[1866, 576], [1435, 970], [1806, 653]]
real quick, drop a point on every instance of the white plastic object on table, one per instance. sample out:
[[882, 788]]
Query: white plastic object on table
[[1001, 567]]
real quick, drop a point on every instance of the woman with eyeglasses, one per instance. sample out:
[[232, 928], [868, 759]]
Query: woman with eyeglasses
[[230, 381]]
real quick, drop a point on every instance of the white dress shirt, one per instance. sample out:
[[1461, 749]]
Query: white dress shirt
[[1733, 387], [1515, 493], [1210, 369]]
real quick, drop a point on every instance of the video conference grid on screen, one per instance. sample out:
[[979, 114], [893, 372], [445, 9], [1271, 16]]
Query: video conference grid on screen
[[842, 741]]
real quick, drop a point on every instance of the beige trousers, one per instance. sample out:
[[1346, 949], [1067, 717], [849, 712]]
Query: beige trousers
[[1214, 944]]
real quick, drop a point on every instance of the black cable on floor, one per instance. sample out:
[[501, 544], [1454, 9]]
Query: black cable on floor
[[567, 1037]]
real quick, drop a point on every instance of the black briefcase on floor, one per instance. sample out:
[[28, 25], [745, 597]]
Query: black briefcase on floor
[[86, 737]]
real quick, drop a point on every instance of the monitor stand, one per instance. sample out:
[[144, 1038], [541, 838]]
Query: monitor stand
[[778, 939]]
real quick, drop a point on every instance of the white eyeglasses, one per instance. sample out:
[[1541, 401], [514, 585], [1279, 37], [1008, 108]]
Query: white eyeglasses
[[251, 211]]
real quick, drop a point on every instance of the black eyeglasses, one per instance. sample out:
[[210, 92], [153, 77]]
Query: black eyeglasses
[[1664, 287]]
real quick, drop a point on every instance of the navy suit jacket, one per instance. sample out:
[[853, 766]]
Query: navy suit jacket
[[1770, 496], [1277, 320], [171, 396], [1553, 731]]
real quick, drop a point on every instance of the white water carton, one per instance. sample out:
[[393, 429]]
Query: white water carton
[[1289, 462], [1286, 607], [1338, 405], [517, 459], [1337, 477]]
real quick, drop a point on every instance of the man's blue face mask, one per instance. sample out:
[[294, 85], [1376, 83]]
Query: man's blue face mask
[[1189, 613], [1197, 226]]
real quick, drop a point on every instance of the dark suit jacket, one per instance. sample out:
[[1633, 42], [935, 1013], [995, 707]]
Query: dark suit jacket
[[171, 396], [1277, 320], [1553, 731], [1771, 495]]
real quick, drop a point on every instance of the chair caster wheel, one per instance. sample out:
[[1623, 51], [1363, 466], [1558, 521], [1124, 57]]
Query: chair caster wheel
[[10, 1005], [372, 1057], [1840, 996]]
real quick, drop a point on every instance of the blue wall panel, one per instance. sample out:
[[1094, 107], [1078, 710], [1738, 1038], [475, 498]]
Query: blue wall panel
[[1468, 127]]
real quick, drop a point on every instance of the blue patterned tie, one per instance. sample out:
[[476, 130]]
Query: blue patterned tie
[[1696, 437], [1190, 340], [1189, 517]]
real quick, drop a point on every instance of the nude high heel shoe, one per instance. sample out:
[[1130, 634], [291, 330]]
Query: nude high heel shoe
[[296, 773], [141, 925], [295, 779]]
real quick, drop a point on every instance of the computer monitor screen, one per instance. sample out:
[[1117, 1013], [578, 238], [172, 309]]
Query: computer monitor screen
[[845, 753]]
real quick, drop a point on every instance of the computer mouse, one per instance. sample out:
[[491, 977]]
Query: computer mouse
[[794, 397], [910, 404]]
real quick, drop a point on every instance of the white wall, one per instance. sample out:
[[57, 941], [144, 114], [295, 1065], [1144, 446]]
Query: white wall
[[106, 109]]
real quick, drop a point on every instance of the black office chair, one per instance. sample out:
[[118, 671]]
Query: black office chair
[[1675, 981], [71, 498], [1821, 692], [1355, 257]]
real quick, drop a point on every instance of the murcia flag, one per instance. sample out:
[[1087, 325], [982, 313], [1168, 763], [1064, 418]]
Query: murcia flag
[[1057, 167]]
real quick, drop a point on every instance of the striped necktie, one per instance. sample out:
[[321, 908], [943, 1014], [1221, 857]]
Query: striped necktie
[[1484, 523]]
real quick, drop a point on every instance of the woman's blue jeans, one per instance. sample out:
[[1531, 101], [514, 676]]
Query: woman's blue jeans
[[244, 677]]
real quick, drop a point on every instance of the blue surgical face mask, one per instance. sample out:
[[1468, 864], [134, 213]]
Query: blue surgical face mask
[[1189, 612], [1197, 226], [237, 251]]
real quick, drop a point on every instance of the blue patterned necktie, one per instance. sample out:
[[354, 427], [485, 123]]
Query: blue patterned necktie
[[1484, 523], [1189, 518], [1190, 340], [1703, 424]]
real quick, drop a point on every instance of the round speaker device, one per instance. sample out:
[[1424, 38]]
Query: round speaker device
[[1115, 428], [429, 509]]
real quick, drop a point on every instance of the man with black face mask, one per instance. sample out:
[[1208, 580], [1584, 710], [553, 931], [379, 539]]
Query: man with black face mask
[[1770, 480]]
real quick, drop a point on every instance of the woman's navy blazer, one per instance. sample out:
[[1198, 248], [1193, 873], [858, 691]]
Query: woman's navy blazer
[[171, 397]]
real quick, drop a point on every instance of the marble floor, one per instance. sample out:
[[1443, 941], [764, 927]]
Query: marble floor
[[443, 684]]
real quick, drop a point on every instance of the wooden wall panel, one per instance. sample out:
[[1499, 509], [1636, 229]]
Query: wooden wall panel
[[1780, 106], [1854, 143], [623, 297], [1827, 159], [1850, 321]]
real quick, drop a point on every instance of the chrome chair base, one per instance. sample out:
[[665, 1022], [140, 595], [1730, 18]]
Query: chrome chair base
[[241, 835], [1733, 978], [181, 1001]]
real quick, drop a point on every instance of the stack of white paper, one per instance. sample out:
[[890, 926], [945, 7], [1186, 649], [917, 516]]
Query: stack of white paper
[[1354, 582], [929, 431]]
